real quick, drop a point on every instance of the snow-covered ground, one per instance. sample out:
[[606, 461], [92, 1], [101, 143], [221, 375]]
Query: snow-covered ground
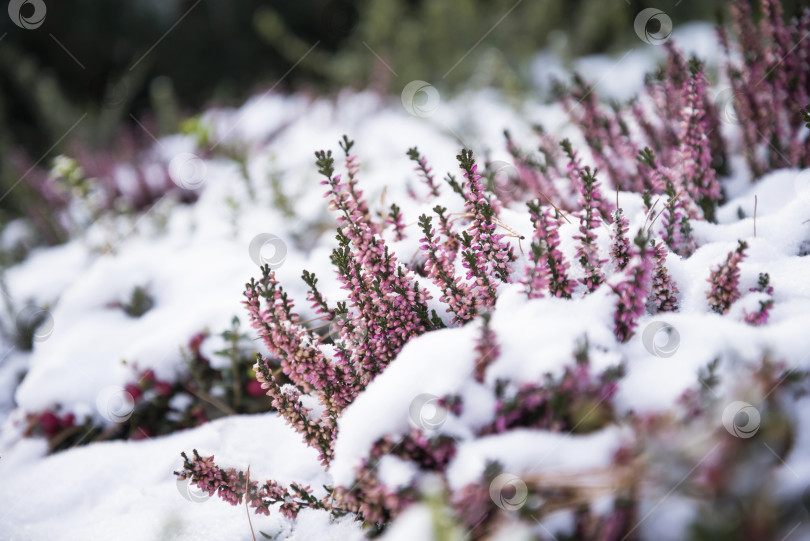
[[195, 259]]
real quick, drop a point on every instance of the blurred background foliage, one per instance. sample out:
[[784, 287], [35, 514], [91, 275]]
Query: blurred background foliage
[[81, 82]]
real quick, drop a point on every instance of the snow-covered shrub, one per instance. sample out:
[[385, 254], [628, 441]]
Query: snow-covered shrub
[[452, 312], [148, 406]]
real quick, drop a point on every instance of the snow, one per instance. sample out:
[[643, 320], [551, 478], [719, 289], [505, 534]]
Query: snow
[[194, 260], [126, 490]]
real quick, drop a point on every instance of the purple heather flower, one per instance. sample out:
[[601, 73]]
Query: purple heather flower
[[589, 221], [620, 244], [550, 265], [663, 295], [725, 279], [634, 291]]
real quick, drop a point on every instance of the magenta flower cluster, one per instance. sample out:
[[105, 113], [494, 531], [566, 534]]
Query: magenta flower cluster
[[725, 280]]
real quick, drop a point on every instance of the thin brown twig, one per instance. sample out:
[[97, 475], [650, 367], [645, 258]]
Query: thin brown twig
[[652, 208], [560, 212], [677, 195], [202, 395], [247, 495]]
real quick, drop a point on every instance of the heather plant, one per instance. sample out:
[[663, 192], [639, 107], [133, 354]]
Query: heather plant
[[663, 296], [673, 161], [149, 406], [769, 83], [760, 316], [725, 279]]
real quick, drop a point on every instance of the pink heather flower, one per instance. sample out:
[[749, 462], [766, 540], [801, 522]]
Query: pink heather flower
[[760, 317], [230, 485], [425, 171], [535, 176], [590, 202], [607, 136], [663, 295], [634, 291], [494, 255], [551, 264], [395, 220], [699, 178], [458, 296], [486, 349], [725, 279], [537, 273], [675, 227], [620, 244]]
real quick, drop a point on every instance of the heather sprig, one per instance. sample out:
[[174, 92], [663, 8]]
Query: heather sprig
[[663, 297], [395, 221], [760, 316], [770, 84], [725, 279], [451, 240], [675, 226], [589, 220], [231, 485], [698, 177], [547, 239], [575, 401], [536, 280], [606, 134], [486, 255], [537, 175], [486, 349], [424, 170], [458, 296], [620, 244], [634, 291]]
